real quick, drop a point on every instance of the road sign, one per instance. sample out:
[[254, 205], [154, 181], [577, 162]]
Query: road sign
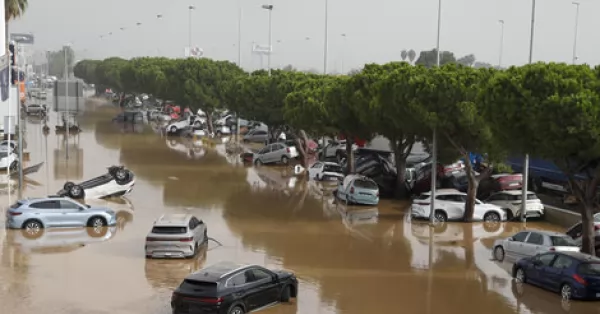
[[194, 52], [261, 49], [26, 39]]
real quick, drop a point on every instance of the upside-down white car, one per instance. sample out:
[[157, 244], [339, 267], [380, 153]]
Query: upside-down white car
[[117, 182]]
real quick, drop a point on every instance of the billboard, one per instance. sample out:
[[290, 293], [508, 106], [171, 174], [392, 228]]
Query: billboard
[[68, 96]]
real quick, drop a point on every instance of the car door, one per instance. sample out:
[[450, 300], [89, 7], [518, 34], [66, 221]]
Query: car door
[[265, 288], [553, 274], [48, 212], [536, 273], [456, 206], [315, 169], [73, 214], [534, 244], [262, 154], [269, 153], [514, 247]]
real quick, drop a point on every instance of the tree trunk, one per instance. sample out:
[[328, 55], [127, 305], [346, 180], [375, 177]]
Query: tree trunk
[[586, 191], [350, 168], [400, 153], [209, 122], [469, 246], [302, 145], [471, 190], [587, 233]]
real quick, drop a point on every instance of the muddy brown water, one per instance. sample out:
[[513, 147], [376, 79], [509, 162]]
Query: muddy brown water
[[350, 260]]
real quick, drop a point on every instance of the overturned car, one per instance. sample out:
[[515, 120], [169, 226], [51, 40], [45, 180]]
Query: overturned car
[[117, 182]]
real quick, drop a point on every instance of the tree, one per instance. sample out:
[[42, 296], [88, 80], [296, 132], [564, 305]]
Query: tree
[[13, 9], [553, 111], [479, 65], [449, 95], [467, 60], [429, 58], [404, 54], [411, 56]]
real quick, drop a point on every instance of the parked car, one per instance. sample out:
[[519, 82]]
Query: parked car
[[576, 231], [450, 205], [8, 160], [35, 109], [221, 130], [358, 189], [230, 288], [499, 182], [325, 171], [510, 201], [276, 152], [258, 136], [6, 146], [423, 170], [117, 182], [34, 214], [176, 236], [531, 242], [336, 149], [55, 239], [177, 125], [572, 274]]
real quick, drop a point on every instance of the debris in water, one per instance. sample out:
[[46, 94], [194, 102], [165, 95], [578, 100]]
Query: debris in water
[[174, 178]]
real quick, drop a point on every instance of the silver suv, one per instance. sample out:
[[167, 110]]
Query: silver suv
[[176, 236]]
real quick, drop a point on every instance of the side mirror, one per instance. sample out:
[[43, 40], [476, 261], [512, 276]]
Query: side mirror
[[511, 239], [537, 262]]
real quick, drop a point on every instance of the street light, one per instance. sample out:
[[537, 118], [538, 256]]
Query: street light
[[576, 31], [191, 8], [239, 44], [270, 8], [65, 48], [325, 43], [434, 148], [501, 43], [343, 52]]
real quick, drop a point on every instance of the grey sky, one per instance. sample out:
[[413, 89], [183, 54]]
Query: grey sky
[[377, 30]]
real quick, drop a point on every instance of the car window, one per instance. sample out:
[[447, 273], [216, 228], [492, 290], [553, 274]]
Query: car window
[[562, 262], [365, 184], [592, 269], [535, 238], [333, 168], [169, 230], [562, 241], [46, 205], [260, 133], [278, 147], [546, 259], [260, 274], [237, 280], [520, 237], [317, 165], [68, 205], [443, 197]]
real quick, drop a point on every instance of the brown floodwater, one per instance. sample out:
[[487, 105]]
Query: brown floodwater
[[349, 260]]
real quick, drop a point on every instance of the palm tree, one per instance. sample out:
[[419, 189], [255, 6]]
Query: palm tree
[[13, 9]]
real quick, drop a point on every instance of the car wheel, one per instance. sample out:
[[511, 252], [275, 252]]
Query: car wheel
[[14, 166], [566, 292], [173, 129], [32, 229], [197, 124], [97, 232], [286, 294], [67, 187], [76, 191], [122, 176], [96, 222], [285, 160], [499, 253], [520, 275], [440, 216], [491, 217], [236, 310]]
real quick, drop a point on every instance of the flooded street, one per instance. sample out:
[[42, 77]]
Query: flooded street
[[349, 260]]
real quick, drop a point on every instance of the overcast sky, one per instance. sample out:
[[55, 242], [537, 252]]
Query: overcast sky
[[377, 30]]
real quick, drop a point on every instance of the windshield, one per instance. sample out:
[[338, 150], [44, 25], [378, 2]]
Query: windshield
[[365, 184], [530, 197], [592, 269], [332, 168], [562, 241], [169, 230]]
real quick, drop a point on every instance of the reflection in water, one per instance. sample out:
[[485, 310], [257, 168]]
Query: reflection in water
[[349, 260], [68, 158]]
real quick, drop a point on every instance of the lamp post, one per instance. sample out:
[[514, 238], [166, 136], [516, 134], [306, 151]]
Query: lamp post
[[269, 7], [325, 42], [191, 8], [65, 48], [526, 161], [501, 43], [576, 31], [343, 52], [239, 44], [434, 148]]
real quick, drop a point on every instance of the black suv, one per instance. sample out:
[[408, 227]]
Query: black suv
[[230, 288]]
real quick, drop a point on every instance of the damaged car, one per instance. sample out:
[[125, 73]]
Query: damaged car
[[117, 182], [358, 189]]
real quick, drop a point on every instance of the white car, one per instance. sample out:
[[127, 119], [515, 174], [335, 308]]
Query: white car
[[450, 205], [8, 160], [325, 171], [4, 146], [177, 125], [511, 202], [221, 130], [333, 149], [117, 182], [529, 243]]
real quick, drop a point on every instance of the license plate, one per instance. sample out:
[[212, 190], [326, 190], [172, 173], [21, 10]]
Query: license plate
[[168, 254], [513, 184]]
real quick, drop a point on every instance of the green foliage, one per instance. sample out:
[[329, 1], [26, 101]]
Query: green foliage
[[306, 109], [429, 58]]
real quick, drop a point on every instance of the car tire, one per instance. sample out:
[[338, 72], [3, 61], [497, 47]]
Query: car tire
[[566, 291], [76, 192], [97, 232], [440, 216], [519, 275], [197, 124], [285, 160], [236, 310], [68, 185], [492, 217], [173, 129], [122, 176], [96, 222], [286, 294], [32, 229], [499, 253], [14, 166]]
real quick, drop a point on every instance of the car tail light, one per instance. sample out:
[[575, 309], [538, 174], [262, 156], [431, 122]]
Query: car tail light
[[211, 300], [352, 190], [15, 213], [596, 227], [150, 239], [552, 249], [190, 239], [287, 150], [579, 279]]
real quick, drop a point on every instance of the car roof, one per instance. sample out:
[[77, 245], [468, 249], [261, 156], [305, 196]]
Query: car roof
[[215, 272], [445, 192], [30, 200], [545, 232], [173, 220], [581, 256]]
